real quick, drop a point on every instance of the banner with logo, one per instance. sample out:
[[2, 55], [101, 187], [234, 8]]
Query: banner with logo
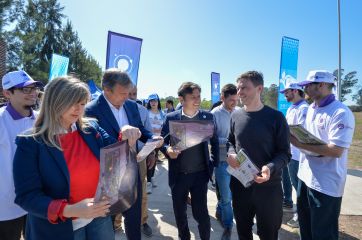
[[94, 90], [288, 69], [215, 87], [58, 66], [124, 52]]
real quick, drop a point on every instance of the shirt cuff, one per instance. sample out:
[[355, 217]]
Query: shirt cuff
[[120, 136], [271, 167], [55, 210]]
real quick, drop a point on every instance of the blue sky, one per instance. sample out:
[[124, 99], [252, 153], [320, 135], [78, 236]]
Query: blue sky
[[187, 40]]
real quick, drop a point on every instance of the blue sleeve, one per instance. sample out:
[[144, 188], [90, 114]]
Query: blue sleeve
[[27, 178]]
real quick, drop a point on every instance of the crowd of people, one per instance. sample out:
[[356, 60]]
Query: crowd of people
[[50, 168]]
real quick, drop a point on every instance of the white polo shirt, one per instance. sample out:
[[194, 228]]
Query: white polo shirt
[[11, 124], [296, 114], [334, 124]]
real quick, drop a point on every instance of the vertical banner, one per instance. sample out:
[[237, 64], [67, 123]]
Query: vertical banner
[[58, 66], [288, 69], [94, 90], [124, 52], [215, 87]]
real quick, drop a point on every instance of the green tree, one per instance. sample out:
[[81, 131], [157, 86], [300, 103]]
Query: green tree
[[9, 12], [269, 96], [348, 82], [358, 96]]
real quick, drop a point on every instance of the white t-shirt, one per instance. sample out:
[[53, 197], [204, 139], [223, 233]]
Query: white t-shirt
[[296, 114], [156, 120], [333, 124], [9, 129]]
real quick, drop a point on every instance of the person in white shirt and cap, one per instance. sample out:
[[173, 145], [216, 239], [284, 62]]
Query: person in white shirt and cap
[[296, 114], [16, 117], [323, 177]]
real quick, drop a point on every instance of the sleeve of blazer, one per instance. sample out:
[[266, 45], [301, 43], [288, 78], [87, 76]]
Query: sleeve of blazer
[[27, 180], [145, 133], [107, 139]]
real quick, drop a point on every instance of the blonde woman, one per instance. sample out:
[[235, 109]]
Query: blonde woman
[[56, 168]]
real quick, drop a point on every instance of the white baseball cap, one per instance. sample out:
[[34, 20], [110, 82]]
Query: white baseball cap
[[318, 76], [291, 85], [18, 79]]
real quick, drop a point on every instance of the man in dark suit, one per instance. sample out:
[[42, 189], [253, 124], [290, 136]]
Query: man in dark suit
[[118, 115], [191, 169]]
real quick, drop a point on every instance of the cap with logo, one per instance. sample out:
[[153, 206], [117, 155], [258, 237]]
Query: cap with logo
[[291, 85], [318, 76], [18, 79], [153, 96]]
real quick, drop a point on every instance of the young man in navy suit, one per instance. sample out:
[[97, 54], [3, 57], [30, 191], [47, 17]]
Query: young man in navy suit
[[115, 114], [191, 169]]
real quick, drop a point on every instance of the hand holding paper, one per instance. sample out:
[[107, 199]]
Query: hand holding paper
[[231, 160], [87, 209], [173, 152], [132, 134]]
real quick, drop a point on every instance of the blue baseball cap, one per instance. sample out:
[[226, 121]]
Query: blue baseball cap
[[18, 79], [153, 96]]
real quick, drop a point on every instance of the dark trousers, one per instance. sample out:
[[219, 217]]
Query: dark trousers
[[318, 214], [264, 202], [151, 172], [12, 229], [196, 184]]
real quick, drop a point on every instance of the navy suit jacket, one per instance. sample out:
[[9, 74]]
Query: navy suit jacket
[[99, 109], [211, 161], [41, 175]]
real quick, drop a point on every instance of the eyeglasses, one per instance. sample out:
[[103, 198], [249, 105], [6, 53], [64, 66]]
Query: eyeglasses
[[28, 90], [309, 84]]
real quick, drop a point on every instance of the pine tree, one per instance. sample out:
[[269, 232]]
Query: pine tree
[[347, 83]]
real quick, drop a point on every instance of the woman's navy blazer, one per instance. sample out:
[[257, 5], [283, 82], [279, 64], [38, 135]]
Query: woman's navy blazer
[[41, 175]]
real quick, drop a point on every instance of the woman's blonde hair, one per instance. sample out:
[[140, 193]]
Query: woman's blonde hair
[[60, 94]]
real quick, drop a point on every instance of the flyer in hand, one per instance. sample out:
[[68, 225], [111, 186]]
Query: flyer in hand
[[247, 170], [304, 136], [150, 145], [118, 177], [186, 134]]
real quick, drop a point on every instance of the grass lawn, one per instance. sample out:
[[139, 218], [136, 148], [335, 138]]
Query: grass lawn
[[355, 152]]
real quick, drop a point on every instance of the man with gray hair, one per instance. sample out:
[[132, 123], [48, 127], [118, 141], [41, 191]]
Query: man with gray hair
[[116, 114]]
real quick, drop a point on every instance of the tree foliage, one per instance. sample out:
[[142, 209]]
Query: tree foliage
[[269, 96], [38, 34], [348, 81], [358, 96]]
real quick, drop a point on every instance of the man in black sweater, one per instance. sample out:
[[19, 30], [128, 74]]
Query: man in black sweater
[[263, 134], [191, 169]]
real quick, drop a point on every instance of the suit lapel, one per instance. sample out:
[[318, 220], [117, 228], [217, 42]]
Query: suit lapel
[[91, 142], [58, 156], [107, 113]]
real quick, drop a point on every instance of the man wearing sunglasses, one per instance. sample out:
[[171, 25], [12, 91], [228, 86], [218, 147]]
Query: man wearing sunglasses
[[323, 178], [16, 117]]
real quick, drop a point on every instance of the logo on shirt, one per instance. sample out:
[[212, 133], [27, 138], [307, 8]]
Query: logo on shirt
[[340, 126]]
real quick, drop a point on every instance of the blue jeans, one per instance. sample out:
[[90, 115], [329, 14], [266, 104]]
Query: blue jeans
[[224, 204], [287, 186], [318, 214], [99, 228], [293, 167]]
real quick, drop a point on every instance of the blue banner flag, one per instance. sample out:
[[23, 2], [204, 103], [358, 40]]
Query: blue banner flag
[[58, 66], [215, 87], [94, 90], [288, 69], [124, 52]]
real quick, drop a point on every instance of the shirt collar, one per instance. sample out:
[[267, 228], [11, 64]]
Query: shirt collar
[[73, 128], [184, 114], [111, 105], [299, 102], [325, 101], [15, 114]]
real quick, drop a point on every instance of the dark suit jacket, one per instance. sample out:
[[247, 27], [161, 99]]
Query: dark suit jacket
[[41, 175], [211, 161], [99, 109]]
